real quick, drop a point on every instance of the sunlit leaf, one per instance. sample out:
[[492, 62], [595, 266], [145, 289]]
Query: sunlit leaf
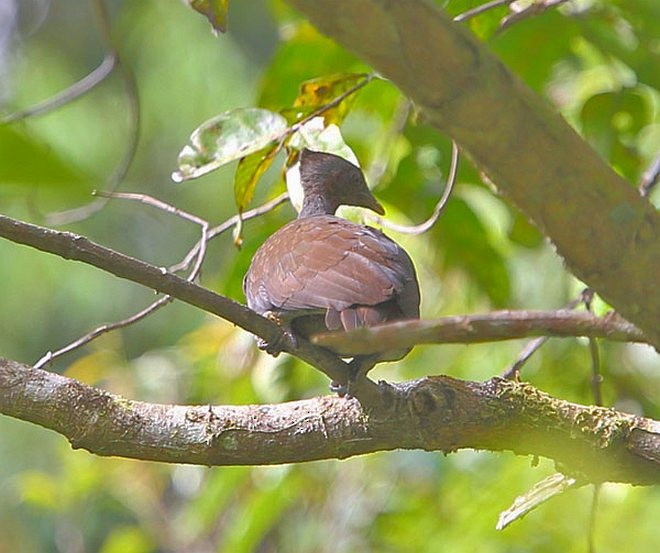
[[227, 137], [214, 10], [540, 493], [323, 90]]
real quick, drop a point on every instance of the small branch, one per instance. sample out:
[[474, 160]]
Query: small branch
[[229, 223], [154, 306], [534, 345], [78, 248], [130, 87], [470, 329], [469, 14], [199, 249], [198, 252], [533, 9], [75, 91], [50, 356], [437, 211], [435, 414]]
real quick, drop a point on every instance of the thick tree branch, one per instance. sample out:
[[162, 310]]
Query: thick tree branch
[[435, 414], [472, 329], [608, 235]]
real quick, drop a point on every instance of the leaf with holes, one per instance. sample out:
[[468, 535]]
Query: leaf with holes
[[227, 137]]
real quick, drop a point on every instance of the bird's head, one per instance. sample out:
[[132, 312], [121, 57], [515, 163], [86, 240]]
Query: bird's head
[[333, 181]]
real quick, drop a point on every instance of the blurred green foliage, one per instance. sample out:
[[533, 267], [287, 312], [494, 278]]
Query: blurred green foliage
[[596, 60]]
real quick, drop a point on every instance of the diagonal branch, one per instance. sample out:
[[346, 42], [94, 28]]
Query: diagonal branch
[[78, 248], [608, 235], [590, 443]]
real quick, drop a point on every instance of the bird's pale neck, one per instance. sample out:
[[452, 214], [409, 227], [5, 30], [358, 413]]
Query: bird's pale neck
[[315, 204]]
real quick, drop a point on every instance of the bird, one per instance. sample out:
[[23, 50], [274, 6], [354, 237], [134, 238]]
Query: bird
[[321, 272]]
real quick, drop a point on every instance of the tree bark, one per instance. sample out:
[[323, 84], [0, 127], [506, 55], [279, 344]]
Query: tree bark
[[606, 232], [441, 413]]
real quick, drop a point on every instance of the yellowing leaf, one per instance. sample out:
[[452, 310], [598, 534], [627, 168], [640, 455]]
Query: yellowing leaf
[[227, 137], [248, 172], [323, 90], [214, 10]]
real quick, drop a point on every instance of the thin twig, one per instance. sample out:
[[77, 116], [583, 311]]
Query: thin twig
[[650, 178], [596, 389], [229, 223], [513, 371], [154, 306], [480, 9], [200, 246], [130, 86], [197, 252], [437, 211], [587, 297], [68, 95], [50, 356], [532, 9]]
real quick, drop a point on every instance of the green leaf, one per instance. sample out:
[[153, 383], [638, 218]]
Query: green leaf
[[249, 171], [214, 10], [232, 135]]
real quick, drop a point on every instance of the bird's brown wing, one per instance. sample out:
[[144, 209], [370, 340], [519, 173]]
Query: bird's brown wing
[[329, 263]]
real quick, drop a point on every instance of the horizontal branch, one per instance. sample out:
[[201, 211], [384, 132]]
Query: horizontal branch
[[590, 443], [79, 248], [489, 327]]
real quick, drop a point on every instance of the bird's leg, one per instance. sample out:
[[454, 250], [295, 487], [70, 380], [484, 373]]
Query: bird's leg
[[278, 345], [358, 368], [284, 319]]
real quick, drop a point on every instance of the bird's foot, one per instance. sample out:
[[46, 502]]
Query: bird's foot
[[285, 340], [357, 371], [340, 389]]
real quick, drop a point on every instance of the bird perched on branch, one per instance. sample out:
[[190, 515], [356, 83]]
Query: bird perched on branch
[[321, 272]]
